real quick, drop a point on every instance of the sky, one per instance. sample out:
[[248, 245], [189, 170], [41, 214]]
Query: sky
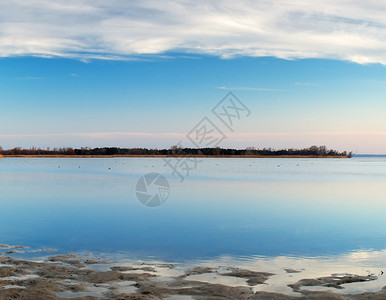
[[145, 73]]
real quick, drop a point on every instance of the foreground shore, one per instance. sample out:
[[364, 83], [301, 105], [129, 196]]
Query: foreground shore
[[88, 277]]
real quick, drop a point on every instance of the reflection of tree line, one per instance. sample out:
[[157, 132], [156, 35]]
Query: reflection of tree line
[[175, 150]]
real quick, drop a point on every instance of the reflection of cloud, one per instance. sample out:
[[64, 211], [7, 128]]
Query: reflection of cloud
[[350, 30]]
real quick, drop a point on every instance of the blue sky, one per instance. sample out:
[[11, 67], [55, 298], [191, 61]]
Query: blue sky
[[142, 74]]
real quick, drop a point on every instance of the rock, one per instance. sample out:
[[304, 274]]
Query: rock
[[291, 271], [253, 278], [334, 281]]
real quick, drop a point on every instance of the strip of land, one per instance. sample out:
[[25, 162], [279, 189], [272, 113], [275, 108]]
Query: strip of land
[[203, 156], [249, 152]]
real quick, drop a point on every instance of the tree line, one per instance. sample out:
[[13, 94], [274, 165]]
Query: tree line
[[175, 150]]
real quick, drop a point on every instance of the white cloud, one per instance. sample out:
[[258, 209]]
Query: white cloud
[[340, 29]]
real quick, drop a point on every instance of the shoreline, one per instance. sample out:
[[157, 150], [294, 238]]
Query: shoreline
[[59, 276], [162, 156]]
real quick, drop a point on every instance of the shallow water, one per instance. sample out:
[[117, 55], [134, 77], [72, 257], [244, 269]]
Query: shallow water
[[323, 211]]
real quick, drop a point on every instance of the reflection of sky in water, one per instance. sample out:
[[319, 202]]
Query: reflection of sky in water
[[236, 207], [356, 262]]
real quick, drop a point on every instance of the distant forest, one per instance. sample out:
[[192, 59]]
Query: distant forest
[[175, 150]]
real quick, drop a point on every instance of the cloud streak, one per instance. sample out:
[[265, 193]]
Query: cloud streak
[[246, 88], [95, 29]]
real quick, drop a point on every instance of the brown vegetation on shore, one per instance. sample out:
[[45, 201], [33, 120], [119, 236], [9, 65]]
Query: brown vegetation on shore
[[203, 156], [313, 151]]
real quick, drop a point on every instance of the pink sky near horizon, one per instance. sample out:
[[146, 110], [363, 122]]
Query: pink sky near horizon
[[365, 142]]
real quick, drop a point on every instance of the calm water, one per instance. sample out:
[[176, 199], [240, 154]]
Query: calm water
[[240, 208]]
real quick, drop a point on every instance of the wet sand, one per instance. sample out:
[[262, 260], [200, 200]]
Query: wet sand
[[70, 276]]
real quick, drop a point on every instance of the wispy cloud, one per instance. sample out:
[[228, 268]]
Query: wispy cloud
[[30, 78], [256, 89], [91, 139], [306, 84], [101, 135], [94, 29]]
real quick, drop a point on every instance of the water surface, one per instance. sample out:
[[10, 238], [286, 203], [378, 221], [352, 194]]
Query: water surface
[[238, 209]]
